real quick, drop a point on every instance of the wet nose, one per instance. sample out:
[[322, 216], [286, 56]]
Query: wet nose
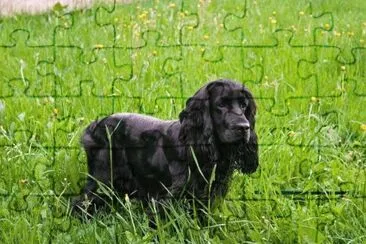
[[242, 127]]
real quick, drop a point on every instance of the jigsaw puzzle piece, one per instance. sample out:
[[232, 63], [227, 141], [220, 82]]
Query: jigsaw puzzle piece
[[65, 73], [324, 70], [38, 37], [110, 67], [27, 126], [42, 176], [290, 129], [21, 61], [127, 33], [309, 146], [208, 29], [75, 77], [18, 202], [355, 72], [263, 16], [327, 128], [67, 170], [341, 86], [20, 170], [151, 75], [75, 33], [310, 22], [278, 86], [288, 165], [173, 100], [132, 21], [13, 87], [244, 17], [346, 35], [207, 70], [27, 121]]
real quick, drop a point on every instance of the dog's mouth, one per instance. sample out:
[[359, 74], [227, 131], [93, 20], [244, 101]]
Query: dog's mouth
[[243, 136], [236, 135], [246, 136]]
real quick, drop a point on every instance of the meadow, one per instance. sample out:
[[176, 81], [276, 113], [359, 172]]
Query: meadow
[[304, 61]]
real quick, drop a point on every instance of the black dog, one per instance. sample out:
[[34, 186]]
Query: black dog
[[147, 158]]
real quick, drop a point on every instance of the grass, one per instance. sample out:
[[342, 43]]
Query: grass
[[304, 62]]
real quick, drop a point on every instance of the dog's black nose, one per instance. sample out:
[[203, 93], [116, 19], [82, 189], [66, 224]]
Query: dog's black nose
[[242, 127]]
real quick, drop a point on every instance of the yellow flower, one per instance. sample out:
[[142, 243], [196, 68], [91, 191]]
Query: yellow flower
[[343, 68], [314, 99], [337, 34], [301, 13], [55, 111], [363, 127], [273, 21], [327, 26], [172, 5], [23, 181], [206, 37], [143, 15], [154, 53], [98, 46]]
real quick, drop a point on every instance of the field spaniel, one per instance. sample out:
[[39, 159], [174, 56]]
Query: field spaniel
[[148, 158]]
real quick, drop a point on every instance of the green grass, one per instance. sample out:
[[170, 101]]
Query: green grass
[[304, 62]]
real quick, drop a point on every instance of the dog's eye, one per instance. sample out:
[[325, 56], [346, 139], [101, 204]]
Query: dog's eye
[[223, 103], [242, 103]]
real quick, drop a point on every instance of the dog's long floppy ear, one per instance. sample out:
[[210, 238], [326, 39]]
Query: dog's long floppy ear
[[196, 125], [250, 149]]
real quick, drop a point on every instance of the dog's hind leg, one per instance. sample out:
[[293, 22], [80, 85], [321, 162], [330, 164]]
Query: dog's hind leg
[[98, 184]]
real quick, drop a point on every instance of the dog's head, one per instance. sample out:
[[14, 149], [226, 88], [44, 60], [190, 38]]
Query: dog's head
[[223, 113]]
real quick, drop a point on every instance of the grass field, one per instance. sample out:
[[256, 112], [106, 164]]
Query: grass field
[[305, 62]]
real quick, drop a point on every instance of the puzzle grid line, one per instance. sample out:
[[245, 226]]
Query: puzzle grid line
[[27, 87]]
